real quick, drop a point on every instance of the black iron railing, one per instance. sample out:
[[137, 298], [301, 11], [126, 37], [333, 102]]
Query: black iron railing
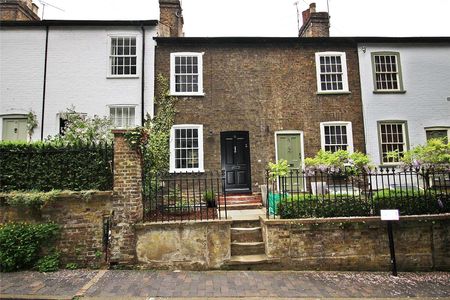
[[324, 194], [184, 197]]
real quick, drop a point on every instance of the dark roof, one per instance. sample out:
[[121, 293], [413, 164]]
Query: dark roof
[[250, 40], [78, 23], [304, 40]]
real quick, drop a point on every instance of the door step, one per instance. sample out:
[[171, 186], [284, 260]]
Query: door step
[[235, 202]]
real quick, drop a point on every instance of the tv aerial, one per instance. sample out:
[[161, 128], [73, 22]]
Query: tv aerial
[[45, 3]]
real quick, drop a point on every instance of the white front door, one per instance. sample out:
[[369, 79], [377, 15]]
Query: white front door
[[14, 129]]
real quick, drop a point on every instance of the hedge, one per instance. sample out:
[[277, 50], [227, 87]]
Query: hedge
[[412, 202], [408, 202], [44, 166], [306, 206]]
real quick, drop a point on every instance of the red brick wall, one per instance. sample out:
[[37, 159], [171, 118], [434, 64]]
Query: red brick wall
[[80, 219], [127, 200], [262, 88]]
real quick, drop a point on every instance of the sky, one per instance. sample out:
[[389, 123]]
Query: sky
[[272, 17]]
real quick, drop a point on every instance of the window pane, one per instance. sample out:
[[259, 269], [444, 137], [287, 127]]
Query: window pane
[[123, 56], [186, 148], [331, 73], [437, 134], [186, 73], [335, 137], [386, 72], [392, 139]]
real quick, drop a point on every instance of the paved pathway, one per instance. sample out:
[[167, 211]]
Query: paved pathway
[[256, 284]]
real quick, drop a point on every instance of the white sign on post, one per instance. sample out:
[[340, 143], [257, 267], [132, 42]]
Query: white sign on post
[[389, 215]]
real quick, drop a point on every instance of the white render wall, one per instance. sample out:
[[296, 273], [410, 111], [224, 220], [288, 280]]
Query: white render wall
[[21, 72], [77, 72], [426, 79]]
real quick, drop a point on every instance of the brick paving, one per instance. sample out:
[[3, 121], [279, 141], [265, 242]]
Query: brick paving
[[256, 284], [61, 283]]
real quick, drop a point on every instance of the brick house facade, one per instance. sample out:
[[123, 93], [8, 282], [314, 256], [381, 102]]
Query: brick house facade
[[263, 86]]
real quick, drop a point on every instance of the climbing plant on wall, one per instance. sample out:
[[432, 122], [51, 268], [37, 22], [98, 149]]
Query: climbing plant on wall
[[152, 139]]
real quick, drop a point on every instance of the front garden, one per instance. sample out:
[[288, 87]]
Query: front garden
[[341, 184], [35, 176]]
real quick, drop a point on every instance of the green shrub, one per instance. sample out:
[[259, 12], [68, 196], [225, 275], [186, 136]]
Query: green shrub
[[21, 244], [322, 206], [341, 161], [45, 166], [71, 266], [411, 202], [48, 263], [210, 198]]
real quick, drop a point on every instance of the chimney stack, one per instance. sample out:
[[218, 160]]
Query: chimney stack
[[170, 18], [315, 24], [18, 10]]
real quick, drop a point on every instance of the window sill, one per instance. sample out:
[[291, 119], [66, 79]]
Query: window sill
[[334, 93], [187, 95], [390, 92], [122, 77], [187, 171]]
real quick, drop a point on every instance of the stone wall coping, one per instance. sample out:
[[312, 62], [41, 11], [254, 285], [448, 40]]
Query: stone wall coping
[[73, 195], [182, 223], [81, 194], [352, 219]]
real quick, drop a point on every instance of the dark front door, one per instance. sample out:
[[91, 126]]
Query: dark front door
[[235, 153]]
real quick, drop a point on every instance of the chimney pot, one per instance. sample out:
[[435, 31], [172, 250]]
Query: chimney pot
[[315, 24]]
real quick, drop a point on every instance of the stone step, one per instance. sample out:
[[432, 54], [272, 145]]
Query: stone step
[[257, 262], [243, 206], [248, 259], [255, 200], [247, 248], [231, 202], [245, 224], [246, 235]]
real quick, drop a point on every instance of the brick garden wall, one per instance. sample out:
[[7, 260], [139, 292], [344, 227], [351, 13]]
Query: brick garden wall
[[81, 217], [81, 224], [263, 87], [127, 200], [422, 243]]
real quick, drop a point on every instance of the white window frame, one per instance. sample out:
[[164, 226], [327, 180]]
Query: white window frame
[[125, 35], [122, 106], [172, 168], [343, 56], [380, 140], [347, 124], [398, 72], [199, 56]]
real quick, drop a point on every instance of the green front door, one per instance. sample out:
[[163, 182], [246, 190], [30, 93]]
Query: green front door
[[14, 130], [289, 148]]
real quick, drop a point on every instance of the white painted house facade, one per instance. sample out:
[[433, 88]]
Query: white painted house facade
[[103, 68], [405, 86]]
